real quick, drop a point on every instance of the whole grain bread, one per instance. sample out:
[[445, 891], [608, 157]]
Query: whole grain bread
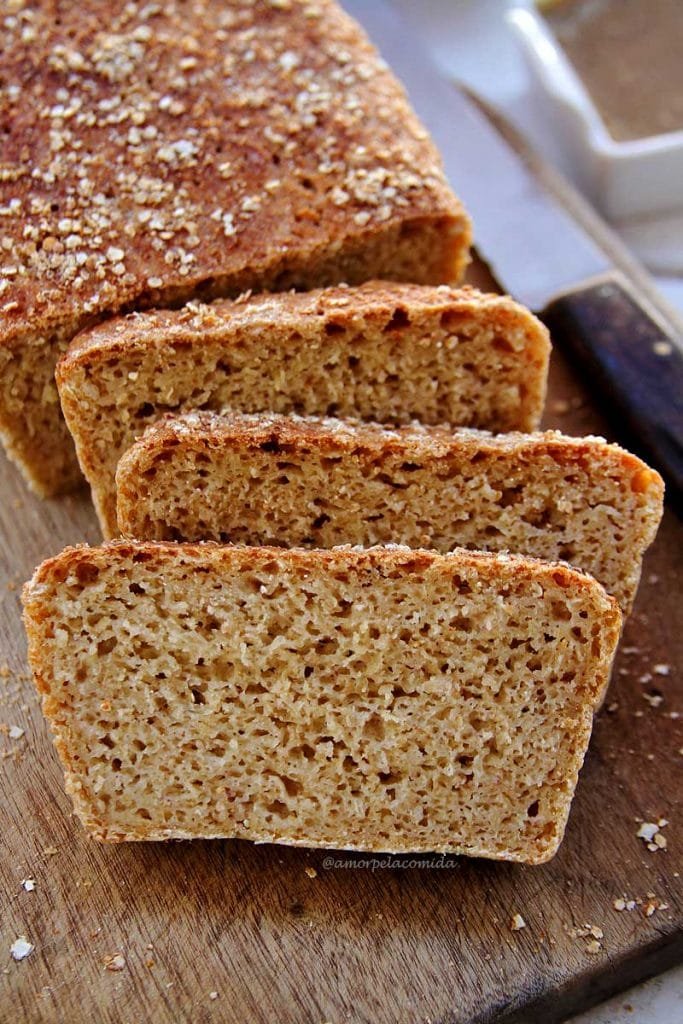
[[381, 699], [156, 153], [387, 352], [304, 482]]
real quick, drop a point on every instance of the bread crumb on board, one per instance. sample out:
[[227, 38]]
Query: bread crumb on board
[[652, 905], [21, 948], [594, 935], [517, 922], [649, 832], [647, 904], [114, 962]]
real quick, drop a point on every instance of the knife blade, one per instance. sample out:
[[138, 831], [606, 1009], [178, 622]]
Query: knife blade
[[629, 350]]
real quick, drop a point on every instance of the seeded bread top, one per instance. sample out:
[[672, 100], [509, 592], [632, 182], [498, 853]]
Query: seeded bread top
[[328, 434], [324, 310], [153, 147]]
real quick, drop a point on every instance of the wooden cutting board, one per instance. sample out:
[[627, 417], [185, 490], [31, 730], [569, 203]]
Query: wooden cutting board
[[229, 932]]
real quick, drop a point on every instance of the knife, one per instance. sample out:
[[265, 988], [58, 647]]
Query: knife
[[583, 285]]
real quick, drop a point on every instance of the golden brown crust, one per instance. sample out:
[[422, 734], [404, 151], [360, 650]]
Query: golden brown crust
[[373, 301], [208, 131], [198, 149], [209, 430], [487, 564]]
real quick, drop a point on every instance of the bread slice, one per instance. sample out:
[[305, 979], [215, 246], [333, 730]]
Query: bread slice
[[388, 352], [381, 699], [305, 482], [162, 152]]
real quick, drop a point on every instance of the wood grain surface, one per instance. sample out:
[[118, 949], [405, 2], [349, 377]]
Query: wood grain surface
[[226, 932]]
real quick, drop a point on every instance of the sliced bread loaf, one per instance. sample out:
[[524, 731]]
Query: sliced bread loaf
[[381, 699], [152, 153], [386, 352], [316, 483]]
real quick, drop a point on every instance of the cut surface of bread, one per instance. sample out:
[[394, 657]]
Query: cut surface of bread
[[378, 699], [386, 352], [162, 152], [306, 482]]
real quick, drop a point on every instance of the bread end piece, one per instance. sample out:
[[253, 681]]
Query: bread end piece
[[297, 161]]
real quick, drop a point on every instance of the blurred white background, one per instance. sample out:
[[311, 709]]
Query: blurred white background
[[472, 42]]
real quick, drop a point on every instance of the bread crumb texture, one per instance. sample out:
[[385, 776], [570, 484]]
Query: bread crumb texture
[[386, 352], [304, 482], [157, 152], [382, 699]]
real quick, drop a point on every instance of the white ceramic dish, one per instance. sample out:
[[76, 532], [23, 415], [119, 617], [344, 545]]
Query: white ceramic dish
[[625, 179]]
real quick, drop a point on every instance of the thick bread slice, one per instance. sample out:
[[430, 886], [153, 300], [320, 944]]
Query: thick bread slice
[[387, 352], [381, 699], [161, 152], [304, 482]]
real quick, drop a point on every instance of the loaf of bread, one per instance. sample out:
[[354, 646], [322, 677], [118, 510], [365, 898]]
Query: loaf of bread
[[304, 482], [387, 352], [378, 699], [155, 153]]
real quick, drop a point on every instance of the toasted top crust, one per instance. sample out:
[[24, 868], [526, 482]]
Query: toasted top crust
[[490, 566], [153, 147], [297, 310], [218, 430]]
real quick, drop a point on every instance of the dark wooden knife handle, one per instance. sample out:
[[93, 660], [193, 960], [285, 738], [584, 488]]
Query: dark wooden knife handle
[[635, 365]]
